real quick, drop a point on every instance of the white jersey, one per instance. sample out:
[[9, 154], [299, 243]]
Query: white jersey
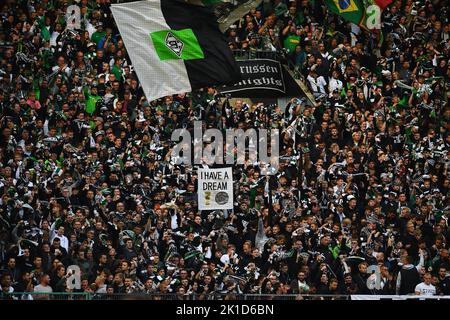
[[425, 289]]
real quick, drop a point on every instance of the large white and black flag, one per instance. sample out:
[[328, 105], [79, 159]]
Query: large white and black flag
[[174, 47]]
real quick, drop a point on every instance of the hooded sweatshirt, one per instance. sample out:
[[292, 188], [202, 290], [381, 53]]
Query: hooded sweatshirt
[[408, 278]]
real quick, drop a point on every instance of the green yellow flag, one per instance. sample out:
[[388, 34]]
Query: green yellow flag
[[350, 10]]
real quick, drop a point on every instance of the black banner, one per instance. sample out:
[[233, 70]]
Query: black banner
[[260, 77]]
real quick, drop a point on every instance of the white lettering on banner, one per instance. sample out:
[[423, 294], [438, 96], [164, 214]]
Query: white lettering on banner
[[215, 189], [259, 74], [261, 81], [258, 69]]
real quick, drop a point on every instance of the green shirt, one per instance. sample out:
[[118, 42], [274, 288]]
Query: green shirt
[[97, 36], [117, 72], [45, 33], [91, 101], [291, 41]]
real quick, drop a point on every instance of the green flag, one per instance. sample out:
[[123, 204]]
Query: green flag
[[403, 102], [91, 104], [350, 10], [280, 9], [334, 251]]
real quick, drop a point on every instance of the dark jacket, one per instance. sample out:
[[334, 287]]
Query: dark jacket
[[361, 283], [407, 280]]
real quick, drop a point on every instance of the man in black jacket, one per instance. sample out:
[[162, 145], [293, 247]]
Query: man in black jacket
[[300, 285], [25, 284], [13, 270], [444, 281], [408, 277], [442, 260], [410, 241], [361, 278]]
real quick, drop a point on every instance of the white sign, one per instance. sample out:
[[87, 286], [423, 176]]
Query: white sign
[[215, 189]]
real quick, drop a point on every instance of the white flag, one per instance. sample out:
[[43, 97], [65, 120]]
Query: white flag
[[174, 47], [135, 22]]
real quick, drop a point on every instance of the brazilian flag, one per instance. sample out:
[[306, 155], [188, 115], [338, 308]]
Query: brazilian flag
[[350, 10]]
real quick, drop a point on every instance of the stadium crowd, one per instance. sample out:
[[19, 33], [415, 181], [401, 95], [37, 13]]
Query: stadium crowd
[[86, 176]]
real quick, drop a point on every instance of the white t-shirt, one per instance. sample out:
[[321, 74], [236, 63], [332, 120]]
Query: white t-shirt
[[41, 288], [425, 289]]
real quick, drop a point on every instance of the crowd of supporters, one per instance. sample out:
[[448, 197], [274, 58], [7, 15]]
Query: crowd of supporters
[[86, 176]]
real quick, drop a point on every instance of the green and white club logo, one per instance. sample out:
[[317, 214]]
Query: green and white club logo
[[174, 44]]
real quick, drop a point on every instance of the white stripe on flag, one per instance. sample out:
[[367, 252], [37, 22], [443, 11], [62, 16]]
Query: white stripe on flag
[[136, 20]]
